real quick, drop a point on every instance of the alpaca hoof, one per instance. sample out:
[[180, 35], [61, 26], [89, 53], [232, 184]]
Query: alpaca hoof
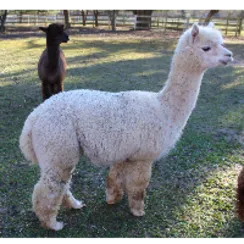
[[58, 226], [72, 203], [111, 202], [138, 213], [78, 204], [113, 199]]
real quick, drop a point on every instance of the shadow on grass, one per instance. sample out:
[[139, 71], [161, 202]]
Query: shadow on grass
[[16, 32]]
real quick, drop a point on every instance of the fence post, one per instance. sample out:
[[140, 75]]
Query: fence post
[[177, 26], [135, 20], [240, 26], [165, 24], [109, 24], [227, 24], [237, 25], [123, 20]]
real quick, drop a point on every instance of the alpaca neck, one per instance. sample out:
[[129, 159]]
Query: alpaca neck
[[180, 93], [53, 55]]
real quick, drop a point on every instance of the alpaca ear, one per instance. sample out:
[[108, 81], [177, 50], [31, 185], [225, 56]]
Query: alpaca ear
[[44, 29], [211, 25], [194, 31]]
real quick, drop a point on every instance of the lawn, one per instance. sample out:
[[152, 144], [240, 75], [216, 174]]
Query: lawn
[[192, 191]]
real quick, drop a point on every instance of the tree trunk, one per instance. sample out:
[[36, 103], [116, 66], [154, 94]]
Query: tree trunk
[[3, 20], [67, 19], [20, 17], [84, 16], [96, 13], [143, 19], [210, 15], [183, 13], [113, 20], [112, 14]]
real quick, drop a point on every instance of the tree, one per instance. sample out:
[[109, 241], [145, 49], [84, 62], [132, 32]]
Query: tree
[[3, 17], [210, 15], [66, 18], [241, 15], [96, 13], [183, 13], [143, 19], [112, 14], [84, 16]]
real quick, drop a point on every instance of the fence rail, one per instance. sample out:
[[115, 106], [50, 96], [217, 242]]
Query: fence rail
[[228, 26]]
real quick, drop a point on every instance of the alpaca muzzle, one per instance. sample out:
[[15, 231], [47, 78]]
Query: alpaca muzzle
[[66, 39], [228, 57]]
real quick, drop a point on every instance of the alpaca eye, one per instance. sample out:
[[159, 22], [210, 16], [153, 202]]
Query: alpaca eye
[[205, 49]]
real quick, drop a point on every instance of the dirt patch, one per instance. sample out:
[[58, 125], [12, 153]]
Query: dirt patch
[[230, 135]]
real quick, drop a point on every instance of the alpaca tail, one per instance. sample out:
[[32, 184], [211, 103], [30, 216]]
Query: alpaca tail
[[25, 140], [240, 196]]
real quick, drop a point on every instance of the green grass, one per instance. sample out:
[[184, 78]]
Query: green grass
[[192, 191]]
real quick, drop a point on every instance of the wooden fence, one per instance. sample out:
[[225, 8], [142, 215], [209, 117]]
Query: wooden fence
[[228, 26], [233, 27]]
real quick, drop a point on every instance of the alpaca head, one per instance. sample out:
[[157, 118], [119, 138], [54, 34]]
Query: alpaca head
[[202, 47], [55, 34]]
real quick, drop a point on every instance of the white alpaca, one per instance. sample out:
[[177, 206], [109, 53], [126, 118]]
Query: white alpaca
[[126, 130]]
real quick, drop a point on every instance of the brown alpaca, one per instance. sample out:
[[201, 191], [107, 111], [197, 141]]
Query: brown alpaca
[[52, 63], [240, 196]]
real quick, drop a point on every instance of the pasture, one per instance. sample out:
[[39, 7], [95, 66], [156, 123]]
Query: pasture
[[192, 191]]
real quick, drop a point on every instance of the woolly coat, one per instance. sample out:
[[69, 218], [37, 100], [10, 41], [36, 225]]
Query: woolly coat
[[107, 127]]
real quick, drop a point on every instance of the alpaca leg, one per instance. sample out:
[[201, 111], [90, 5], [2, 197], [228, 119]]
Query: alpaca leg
[[46, 91], [137, 177], [57, 151], [56, 88], [240, 196], [114, 188], [47, 197], [59, 87], [69, 201]]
